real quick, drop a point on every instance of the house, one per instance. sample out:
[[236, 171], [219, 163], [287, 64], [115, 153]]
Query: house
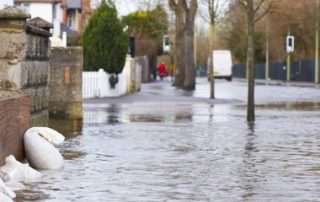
[[48, 10], [68, 16], [72, 14]]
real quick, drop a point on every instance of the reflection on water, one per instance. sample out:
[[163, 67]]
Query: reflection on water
[[30, 195], [249, 164], [69, 128], [291, 106], [70, 155], [186, 152]]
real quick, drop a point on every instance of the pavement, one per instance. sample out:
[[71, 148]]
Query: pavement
[[281, 83], [234, 93], [161, 91]]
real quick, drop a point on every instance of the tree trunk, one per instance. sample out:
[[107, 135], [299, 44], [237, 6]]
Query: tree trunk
[[179, 59], [250, 61], [212, 96], [184, 75], [190, 81], [190, 76], [179, 55]]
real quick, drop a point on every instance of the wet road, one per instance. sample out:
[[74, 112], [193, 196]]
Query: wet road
[[165, 144]]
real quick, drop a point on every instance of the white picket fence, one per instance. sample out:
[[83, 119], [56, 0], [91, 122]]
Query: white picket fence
[[96, 84]]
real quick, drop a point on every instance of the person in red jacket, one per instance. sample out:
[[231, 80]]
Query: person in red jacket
[[162, 71]]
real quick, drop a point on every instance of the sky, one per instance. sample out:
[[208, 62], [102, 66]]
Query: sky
[[5, 2], [124, 7]]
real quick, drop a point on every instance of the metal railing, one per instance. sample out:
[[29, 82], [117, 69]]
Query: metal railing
[[301, 71]]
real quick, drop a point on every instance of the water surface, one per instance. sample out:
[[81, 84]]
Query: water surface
[[171, 151]]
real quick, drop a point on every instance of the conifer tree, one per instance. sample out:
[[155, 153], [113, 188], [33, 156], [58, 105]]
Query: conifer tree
[[104, 42]]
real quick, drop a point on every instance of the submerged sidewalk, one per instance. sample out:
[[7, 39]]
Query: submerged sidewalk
[[281, 83], [161, 91]]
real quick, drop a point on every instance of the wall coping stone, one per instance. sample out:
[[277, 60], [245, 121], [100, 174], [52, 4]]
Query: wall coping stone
[[37, 31], [4, 95], [39, 27], [40, 23], [12, 12]]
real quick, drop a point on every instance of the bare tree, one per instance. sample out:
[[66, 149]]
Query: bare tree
[[185, 16], [149, 4], [214, 7], [252, 7], [179, 58]]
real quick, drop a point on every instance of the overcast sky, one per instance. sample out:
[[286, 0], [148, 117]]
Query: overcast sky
[[5, 3], [125, 7]]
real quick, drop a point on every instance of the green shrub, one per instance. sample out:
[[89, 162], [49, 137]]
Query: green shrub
[[105, 45]]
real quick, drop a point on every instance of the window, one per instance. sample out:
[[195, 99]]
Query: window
[[54, 12], [71, 18]]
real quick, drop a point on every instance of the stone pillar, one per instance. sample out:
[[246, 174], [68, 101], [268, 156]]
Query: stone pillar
[[14, 106], [24, 58], [36, 69], [65, 83], [144, 63], [13, 45]]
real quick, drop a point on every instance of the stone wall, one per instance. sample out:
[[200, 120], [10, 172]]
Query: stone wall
[[24, 58], [144, 64], [133, 75], [65, 83]]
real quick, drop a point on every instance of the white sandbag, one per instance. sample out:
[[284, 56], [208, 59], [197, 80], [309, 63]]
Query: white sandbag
[[4, 176], [40, 153], [18, 171], [6, 190], [15, 186], [49, 134], [5, 198]]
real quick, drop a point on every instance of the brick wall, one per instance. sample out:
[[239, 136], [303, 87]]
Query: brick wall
[[14, 121]]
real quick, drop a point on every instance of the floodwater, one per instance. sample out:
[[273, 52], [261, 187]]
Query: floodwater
[[180, 151]]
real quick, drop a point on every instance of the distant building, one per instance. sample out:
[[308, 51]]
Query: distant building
[[87, 10], [48, 10], [68, 16], [72, 14]]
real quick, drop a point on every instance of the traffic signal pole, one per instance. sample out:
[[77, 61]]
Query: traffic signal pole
[[290, 50], [288, 66]]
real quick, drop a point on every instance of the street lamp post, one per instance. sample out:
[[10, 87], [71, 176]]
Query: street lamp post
[[267, 51]]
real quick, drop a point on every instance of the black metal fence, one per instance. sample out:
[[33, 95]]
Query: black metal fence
[[302, 70]]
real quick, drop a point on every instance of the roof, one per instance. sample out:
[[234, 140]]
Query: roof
[[36, 1], [68, 30], [40, 23]]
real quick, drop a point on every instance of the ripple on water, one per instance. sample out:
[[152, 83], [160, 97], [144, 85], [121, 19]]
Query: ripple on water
[[185, 152]]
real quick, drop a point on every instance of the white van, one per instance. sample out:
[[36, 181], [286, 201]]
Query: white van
[[222, 64]]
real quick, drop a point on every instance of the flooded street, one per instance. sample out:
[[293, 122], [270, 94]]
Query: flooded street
[[165, 144]]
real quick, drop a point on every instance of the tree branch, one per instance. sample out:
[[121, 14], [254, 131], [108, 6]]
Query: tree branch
[[243, 3], [173, 5], [184, 4], [265, 12], [258, 7], [193, 7]]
